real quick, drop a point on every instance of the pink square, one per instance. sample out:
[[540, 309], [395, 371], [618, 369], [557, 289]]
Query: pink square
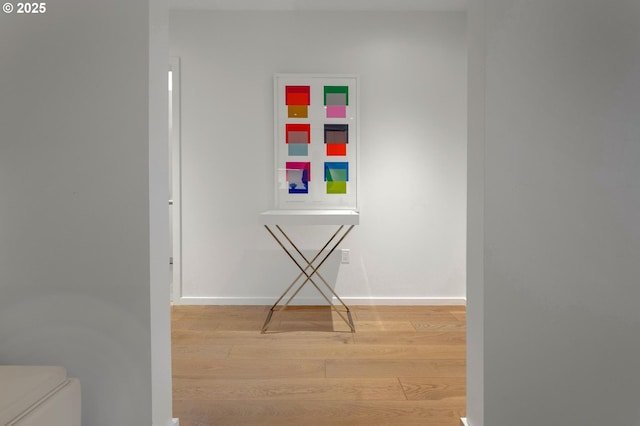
[[336, 111]]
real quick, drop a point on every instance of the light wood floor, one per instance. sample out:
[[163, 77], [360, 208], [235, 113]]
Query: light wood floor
[[404, 365]]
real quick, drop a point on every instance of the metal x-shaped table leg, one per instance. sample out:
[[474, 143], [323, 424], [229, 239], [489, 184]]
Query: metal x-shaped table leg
[[309, 277]]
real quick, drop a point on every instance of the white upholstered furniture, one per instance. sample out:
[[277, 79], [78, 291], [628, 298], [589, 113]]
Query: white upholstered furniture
[[38, 396]]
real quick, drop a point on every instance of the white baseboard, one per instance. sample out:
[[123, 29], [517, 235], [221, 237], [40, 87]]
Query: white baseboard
[[399, 301], [464, 422], [175, 422]]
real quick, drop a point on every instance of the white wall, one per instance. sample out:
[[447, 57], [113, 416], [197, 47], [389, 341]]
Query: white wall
[[74, 209], [412, 66], [561, 203]]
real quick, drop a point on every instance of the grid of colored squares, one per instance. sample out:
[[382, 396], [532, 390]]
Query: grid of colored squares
[[298, 177], [297, 99], [298, 138], [336, 99], [336, 175], [336, 138]]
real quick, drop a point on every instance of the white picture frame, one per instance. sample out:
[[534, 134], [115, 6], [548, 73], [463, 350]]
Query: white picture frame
[[301, 141]]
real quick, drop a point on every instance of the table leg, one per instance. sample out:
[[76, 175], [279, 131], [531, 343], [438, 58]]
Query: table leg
[[309, 277]]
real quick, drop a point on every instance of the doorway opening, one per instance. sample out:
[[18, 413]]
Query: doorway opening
[[177, 290]]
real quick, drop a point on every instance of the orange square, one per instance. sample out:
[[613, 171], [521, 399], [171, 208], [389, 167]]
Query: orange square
[[297, 111]]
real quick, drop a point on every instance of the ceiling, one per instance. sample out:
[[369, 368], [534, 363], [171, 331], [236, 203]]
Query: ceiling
[[378, 5]]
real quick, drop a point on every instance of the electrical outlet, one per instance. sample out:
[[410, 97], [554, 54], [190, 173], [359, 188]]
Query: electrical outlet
[[346, 256]]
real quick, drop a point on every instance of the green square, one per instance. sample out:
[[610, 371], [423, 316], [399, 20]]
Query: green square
[[337, 89], [337, 175], [336, 187]]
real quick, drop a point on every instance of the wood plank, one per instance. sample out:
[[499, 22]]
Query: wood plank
[[350, 351], [308, 312], [296, 413], [439, 326], [395, 368], [337, 324], [247, 369], [179, 312], [403, 316], [200, 351], [307, 322], [309, 318], [434, 388], [460, 315], [411, 338], [379, 325], [220, 323], [289, 389], [286, 323], [224, 337]]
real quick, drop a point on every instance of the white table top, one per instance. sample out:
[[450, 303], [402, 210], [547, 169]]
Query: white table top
[[310, 217]]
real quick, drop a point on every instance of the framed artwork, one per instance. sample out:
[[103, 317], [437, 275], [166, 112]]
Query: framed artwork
[[316, 141]]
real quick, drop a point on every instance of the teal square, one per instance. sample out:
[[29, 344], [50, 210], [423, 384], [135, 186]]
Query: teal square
[[298, 149]]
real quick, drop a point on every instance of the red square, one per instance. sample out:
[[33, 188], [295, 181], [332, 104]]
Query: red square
[[336, 149], [298, 95]]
